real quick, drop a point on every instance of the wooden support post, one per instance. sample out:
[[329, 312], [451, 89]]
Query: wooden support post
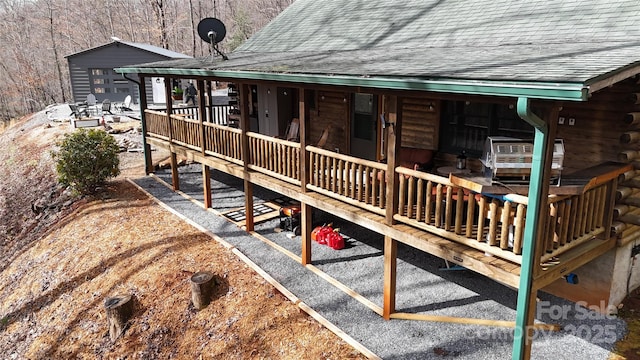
[[202, 284], [390, 266], [202, 112], [119, 309], [529, 330], [175, 181], [169, 101], [244, 126], [249, 224], [306, 215], [393, 106], [206, 185], [394, 116], [148, 162]]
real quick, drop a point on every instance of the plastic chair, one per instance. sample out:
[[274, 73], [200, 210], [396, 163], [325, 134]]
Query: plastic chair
[[106, 106], [293, 131], [91, 103], [323, 138], [77, 112]]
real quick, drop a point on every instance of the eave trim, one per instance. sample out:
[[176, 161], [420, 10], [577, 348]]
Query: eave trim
[[551, 91]]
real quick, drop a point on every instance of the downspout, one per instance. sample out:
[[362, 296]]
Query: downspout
[[145, 148], [531, 228]]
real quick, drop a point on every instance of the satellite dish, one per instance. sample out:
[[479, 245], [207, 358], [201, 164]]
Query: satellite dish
[[211, 30]]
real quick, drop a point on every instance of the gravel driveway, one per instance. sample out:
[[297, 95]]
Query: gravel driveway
[[424, 286]]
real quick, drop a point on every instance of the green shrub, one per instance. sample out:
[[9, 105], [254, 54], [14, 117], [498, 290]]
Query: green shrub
[[86, 159]]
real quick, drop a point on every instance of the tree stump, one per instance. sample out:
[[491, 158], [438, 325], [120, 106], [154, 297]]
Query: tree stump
[[201, 289], [119, 309]]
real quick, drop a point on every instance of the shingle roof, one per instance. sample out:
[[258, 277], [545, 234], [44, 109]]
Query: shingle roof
[[557, 40], [145, 47], [562, 41]]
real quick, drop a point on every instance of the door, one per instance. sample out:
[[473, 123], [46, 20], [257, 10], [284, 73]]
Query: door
[[364, 126]]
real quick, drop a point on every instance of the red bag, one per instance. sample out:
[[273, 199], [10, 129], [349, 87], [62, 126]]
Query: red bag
[[321, 237], [335, 240]]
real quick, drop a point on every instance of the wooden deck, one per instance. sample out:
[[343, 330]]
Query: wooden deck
[[480, 231]]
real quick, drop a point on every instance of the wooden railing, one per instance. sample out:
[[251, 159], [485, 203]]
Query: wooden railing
[[223, 142], [157, 124], [190, 111], [493, 224], [574, 220], [186, 132], [275, 157], [355, 181], [215, 114]]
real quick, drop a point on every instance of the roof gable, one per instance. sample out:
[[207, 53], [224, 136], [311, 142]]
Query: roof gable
[[143, 47]]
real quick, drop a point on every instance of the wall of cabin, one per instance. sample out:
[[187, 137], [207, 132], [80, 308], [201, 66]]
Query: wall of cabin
[[600, 133], [420, 123], [599, 123], [331, 110]]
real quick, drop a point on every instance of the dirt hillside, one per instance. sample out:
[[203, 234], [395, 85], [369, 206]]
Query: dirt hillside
[[62, 256]]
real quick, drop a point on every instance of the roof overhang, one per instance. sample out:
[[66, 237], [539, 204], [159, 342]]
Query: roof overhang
[[534, 90]]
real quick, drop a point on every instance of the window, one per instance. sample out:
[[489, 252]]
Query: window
[[466, 125]]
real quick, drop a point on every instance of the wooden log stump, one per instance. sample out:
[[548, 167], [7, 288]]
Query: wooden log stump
[[201, 289], [119, 309]]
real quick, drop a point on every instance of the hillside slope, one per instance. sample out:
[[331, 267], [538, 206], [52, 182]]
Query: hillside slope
[[62, 256]]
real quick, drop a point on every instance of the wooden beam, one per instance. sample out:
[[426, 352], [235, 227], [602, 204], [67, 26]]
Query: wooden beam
[[148, 162], [390, 268], [394, 118], [306, 215], [244, 126], [206, 185], [573, 259], [202, 109], [469, 321], [175, 181], [169, 101], [306, 224]]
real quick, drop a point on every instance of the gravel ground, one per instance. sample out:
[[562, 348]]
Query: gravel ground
[[423, 286]]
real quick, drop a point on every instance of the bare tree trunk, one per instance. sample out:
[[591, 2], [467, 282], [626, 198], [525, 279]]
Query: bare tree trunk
[[193, 27], [56, 59]]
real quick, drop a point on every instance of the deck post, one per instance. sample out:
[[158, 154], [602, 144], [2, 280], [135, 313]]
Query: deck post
[[202, 110], [390, 266], [206, 173], [394, 128], [148, 162], [244, 126], [175, 180], [533, 232], [206, 184], [306, 214], [393, 106], [167, 90]]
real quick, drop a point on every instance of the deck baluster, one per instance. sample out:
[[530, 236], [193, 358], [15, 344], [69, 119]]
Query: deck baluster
[[482, 210], [471, 206], [429, 204]]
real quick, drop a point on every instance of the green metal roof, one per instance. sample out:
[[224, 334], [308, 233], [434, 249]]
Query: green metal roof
[[553, 49]]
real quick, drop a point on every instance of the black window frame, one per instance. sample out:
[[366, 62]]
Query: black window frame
[[465, 125]]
